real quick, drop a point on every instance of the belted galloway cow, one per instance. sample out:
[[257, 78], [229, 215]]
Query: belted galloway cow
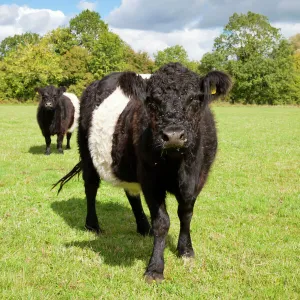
[[154, 136]]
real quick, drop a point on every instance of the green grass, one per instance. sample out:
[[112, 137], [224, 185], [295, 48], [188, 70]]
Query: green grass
[[245, 229]]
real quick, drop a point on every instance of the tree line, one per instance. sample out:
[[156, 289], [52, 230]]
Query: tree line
[[265, 67]]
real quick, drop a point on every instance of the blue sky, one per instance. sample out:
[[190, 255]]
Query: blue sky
[[69, 7], [150, 25]]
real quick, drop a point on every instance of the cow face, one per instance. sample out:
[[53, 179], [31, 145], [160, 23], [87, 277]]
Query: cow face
[[176, 98], [50, 96]]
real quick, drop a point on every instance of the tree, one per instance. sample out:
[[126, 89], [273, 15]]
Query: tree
[[27, 67], [296, 58], [258, 58], [107, 55], [87, 27], [75, 64], [295, 42], [12, 42], [138, 62], [171, 54], [61, 40]]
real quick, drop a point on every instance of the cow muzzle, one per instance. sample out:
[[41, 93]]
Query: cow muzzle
[[173, 138], [49, 105]]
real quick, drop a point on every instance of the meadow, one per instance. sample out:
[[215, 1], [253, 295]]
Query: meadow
[[245, 228]]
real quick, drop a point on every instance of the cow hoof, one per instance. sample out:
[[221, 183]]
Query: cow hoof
[[151, 277], [145, 231], [68, 148], [60, 151], [47, 152], [95, 229], [186, 253]]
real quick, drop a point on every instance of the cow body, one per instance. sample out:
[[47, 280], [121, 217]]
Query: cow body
[[57, 114], [152, 136]]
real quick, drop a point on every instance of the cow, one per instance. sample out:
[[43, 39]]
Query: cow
[[57, 113], [154, 136]]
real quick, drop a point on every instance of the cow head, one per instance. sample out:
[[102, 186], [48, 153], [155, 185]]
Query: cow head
[[50, 96], [175, 101]]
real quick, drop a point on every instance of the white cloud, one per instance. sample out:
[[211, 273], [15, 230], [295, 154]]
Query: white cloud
[[168, 15], [154, 25], [20, 19], [195, 41], [288, 29], [83, 5]]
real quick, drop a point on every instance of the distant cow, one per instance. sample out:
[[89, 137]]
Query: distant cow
[[152, 136], [57, 113]]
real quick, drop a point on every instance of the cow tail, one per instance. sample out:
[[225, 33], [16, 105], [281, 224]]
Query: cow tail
[[75, 171]]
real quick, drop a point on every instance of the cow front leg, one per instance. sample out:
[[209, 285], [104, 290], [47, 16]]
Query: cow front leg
[[160, 226], [60, 138], [91, 184], [48, 143], [69, 134], [185, 213], [142, 224]]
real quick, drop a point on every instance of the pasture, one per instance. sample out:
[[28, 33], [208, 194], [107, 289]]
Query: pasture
[[245, 228]]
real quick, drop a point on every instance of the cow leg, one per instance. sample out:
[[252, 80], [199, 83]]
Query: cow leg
[[48, 143], [91, 184], [160, 226], [142, 223], [60, 137], [69, 134], [185, 213]]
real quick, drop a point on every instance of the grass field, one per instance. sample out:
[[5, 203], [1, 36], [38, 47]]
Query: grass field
[[245, 229]]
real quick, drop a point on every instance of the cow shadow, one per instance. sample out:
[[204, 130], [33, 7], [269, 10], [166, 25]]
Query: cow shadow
[[40, 150], [119, 243]]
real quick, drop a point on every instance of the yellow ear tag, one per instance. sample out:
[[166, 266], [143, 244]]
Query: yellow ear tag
[[213, 90]]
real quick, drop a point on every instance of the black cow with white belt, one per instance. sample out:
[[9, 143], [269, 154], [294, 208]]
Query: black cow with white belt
[[154, 136]]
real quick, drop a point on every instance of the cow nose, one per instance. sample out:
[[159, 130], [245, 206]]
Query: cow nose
[[48, 104], [173, 138]]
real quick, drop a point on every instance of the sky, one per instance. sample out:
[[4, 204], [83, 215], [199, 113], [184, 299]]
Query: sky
[[150, 25]]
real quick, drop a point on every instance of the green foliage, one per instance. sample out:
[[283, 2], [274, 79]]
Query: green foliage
[[107, 55], [258, 58], [171, 54], [138, 62], [76, 75], [215, 60], [74, 65], [245, 35], [175, 54], [194, 66], [81, 84], [295, 42], [27, 67], [12, 42], [61, 40], [87, 27]]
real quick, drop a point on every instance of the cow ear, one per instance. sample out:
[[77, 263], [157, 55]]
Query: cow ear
[[38, 90], [133, 85], [62, 89], [214, 85]]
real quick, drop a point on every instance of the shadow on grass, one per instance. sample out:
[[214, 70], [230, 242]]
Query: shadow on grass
[[119, 244], [40, 150]]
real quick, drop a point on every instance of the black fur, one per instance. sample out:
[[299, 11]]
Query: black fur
[[55, 115], [165, 140]]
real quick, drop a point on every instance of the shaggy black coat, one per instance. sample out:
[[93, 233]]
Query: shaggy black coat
[[165, 140], [55, 115]]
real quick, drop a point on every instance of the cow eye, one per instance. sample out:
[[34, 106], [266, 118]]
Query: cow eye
[[152, 105]]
